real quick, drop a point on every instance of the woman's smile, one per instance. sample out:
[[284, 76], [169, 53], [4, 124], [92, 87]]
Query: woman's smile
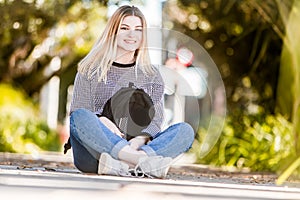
[[130, 41]]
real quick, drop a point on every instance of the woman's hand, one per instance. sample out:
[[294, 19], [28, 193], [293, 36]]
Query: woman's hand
[[111, 126], [138, 141]]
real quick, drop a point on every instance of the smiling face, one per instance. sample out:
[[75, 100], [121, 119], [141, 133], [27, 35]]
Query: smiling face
[[130, 35]]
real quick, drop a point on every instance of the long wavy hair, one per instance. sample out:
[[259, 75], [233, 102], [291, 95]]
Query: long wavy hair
[[104, 51]]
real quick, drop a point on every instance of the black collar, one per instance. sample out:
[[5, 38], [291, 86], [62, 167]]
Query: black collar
[[123, 65]]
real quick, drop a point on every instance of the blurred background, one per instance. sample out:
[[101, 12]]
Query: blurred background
[[254, 44]]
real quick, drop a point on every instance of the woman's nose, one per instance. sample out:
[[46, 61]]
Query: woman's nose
[[131, 33]]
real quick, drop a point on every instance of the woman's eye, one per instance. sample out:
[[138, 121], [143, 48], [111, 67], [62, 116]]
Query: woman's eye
[[139, 30], [124, 28]]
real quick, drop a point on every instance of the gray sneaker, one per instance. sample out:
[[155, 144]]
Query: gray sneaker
[[109, 166], [153, 166]]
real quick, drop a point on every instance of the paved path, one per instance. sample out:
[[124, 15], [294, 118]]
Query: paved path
[[32, 181]]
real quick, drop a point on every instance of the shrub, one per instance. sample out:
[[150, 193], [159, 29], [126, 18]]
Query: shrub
[[21, 128], [259, 142]]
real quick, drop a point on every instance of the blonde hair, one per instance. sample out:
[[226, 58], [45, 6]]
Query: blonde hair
[[103, 53]]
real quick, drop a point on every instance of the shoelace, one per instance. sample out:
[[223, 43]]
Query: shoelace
[[123, 172], [138, 172]]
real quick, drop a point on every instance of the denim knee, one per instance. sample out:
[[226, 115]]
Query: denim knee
[[77, 115], [187, 134], [76, 119]]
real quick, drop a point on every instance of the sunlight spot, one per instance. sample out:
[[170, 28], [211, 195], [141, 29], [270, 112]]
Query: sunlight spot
[[55, 63], [59, 32], [237, 94], [39, 3], [209, 44], [193, 26], [253, 108], [246, 82], [236, 29], [49, 42], [204, 25], [80, 42], [225, 69], [82, 25], [193, 18], [39, 21], [37, 53], [230, 51], [28, 1], [203, 4], [70, 29], [43, 48], [16, 25], [168, 24], [277, 143]]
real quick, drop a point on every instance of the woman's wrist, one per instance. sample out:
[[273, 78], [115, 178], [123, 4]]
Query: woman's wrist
[[144, 138]]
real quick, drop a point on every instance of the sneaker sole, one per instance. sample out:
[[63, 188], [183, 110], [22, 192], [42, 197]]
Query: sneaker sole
[[167, 162], [102, 167]]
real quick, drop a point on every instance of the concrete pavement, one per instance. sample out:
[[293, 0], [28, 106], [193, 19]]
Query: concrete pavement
[[22, 177]]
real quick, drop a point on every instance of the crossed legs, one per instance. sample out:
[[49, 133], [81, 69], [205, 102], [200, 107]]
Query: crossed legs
[[90, 137]]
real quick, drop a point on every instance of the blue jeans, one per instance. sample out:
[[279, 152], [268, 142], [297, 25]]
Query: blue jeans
[[89, 138]]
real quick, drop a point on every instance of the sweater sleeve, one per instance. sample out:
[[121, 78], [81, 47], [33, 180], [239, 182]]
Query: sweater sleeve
[[156, 92], [81, 94]]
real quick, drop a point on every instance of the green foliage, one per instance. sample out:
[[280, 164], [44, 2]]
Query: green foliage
[[242, 37], [263, 40], [21, 129], [288, 100], [35, 32], [259, 142]]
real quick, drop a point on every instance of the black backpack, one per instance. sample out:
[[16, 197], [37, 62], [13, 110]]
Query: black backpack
[[131, 103]]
